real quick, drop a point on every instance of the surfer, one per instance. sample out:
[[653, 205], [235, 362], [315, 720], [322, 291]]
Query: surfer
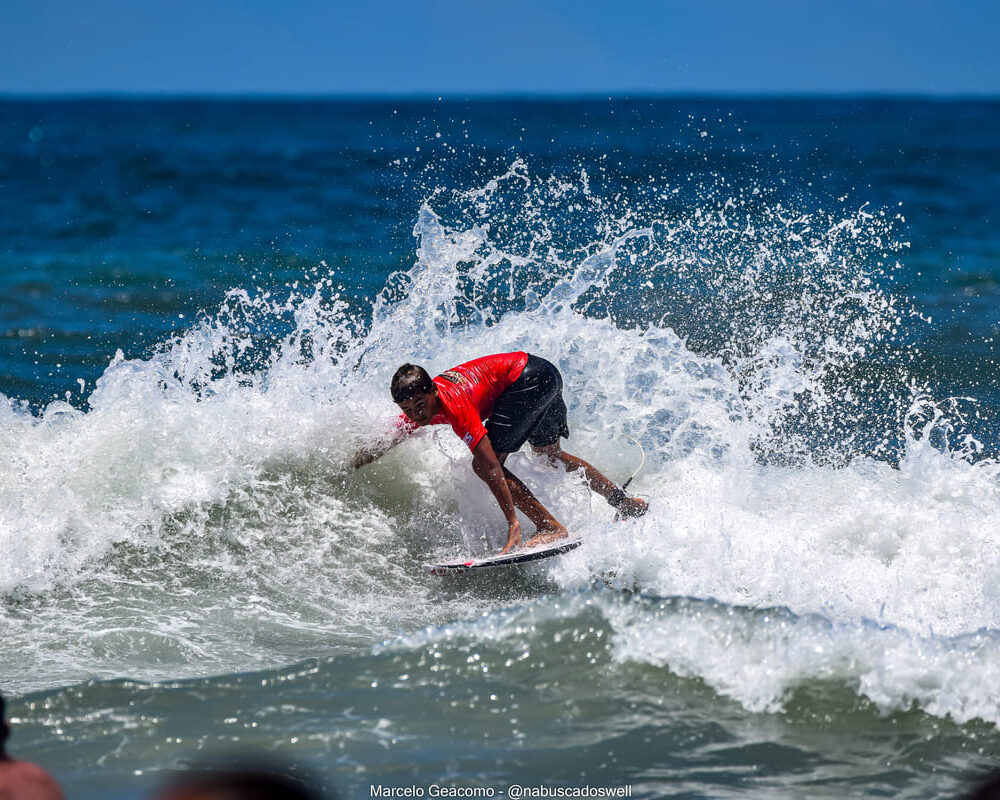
[[520, 398]]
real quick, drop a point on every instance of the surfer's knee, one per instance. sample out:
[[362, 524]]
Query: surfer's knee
[[572, 462], [551, 451]]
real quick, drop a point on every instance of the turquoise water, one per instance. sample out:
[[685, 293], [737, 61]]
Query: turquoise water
[[790, 304]]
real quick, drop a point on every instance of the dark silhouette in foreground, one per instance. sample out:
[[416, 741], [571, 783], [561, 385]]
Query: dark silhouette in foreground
[[236, 783], [988, 789], [22, 780]]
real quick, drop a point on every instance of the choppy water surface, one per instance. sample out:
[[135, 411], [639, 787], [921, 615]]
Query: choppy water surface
[[791, 305]]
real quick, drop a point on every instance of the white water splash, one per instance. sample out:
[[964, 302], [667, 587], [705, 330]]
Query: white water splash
[[732, 340]]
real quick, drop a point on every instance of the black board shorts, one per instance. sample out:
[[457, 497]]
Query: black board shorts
[[530, 410]]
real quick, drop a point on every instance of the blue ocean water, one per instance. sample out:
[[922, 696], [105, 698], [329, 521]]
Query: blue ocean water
[[791, 304]]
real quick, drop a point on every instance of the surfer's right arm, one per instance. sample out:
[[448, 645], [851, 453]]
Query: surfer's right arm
[[370, 453], [374, 451]]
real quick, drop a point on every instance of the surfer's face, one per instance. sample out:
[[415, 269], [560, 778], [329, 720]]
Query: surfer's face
[[421, 408]]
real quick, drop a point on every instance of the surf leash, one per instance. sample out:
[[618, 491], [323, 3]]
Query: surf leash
[[617, 498], [637, 444]]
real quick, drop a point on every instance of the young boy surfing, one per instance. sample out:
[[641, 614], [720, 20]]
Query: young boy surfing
[[520, 398]]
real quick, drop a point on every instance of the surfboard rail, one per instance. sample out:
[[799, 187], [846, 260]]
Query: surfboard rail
[[520, 556]]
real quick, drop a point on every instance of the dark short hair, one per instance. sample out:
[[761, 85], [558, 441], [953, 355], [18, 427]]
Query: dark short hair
[[410, 380]]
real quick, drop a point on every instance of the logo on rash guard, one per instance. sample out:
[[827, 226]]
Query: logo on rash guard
[[467, 438], [456, 377]]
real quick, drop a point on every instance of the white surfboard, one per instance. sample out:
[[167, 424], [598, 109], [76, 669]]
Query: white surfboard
[[520, 556]]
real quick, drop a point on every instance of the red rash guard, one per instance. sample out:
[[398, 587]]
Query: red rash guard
[[468, 392]]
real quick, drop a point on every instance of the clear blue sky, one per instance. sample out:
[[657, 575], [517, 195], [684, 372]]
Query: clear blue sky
[[468, 47]]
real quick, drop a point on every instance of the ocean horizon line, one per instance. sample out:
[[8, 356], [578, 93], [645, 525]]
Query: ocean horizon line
[[494, 97]]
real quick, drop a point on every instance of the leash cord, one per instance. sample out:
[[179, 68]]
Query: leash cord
[[636, 441]]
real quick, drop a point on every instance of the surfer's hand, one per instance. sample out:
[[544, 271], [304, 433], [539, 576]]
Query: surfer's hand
[[513, 538], [364, 456]]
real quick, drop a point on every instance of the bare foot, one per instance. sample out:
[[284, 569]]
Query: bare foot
[[547, 536], [632, 507]]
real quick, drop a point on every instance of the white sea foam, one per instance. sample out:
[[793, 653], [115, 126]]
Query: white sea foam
[[759, 658], [217, 468]]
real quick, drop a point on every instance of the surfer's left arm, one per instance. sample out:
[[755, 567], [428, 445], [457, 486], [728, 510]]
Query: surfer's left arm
[[487, 467]]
